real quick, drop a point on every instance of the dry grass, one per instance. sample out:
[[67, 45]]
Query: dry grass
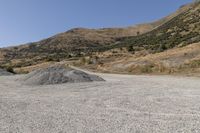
[[32, 68], [177, 60]]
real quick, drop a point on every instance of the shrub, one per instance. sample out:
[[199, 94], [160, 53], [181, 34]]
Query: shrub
[[10, 69], [84, 61], [147, 69], [162, 48], [131, 49]]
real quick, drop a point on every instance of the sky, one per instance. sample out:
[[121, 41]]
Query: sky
[[23, 21]]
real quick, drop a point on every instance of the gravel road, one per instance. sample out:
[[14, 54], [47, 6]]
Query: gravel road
[[122, 104]]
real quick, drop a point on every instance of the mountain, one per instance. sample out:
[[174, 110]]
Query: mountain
[[180, 28], [173, 47]]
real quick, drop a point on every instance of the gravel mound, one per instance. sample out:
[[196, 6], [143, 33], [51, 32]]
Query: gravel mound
[[58, 75], [3, 72]]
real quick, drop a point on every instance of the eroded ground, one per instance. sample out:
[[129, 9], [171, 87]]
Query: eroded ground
[[122, 104]]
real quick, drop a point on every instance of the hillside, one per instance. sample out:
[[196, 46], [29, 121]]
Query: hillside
[[171, 48], [185, 60], [75, 43], [182, 30]]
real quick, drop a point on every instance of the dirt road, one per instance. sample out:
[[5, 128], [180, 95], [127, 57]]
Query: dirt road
[[122, 104]]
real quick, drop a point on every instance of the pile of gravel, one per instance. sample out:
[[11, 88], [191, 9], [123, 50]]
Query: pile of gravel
[[3, 72], [58, 75]]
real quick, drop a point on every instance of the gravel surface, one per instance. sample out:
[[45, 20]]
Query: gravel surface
[[58, 75], [4, 73], [122, 104]]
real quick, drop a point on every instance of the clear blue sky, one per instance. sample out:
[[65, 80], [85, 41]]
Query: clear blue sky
[[23, 21]]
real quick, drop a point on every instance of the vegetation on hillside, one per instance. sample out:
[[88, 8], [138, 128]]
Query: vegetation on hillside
[[180, 31]]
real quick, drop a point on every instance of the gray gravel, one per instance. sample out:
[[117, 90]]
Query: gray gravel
[[58, 75], [122, 104], [5, 73]]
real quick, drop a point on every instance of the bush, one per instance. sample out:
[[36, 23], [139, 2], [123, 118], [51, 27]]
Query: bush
[[130, 49], [83, 61], [10, 69], [162, 48], [147, 69], [49, 59]]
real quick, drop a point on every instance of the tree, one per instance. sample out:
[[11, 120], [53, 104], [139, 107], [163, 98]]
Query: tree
[[131, 49], [162, 48]]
